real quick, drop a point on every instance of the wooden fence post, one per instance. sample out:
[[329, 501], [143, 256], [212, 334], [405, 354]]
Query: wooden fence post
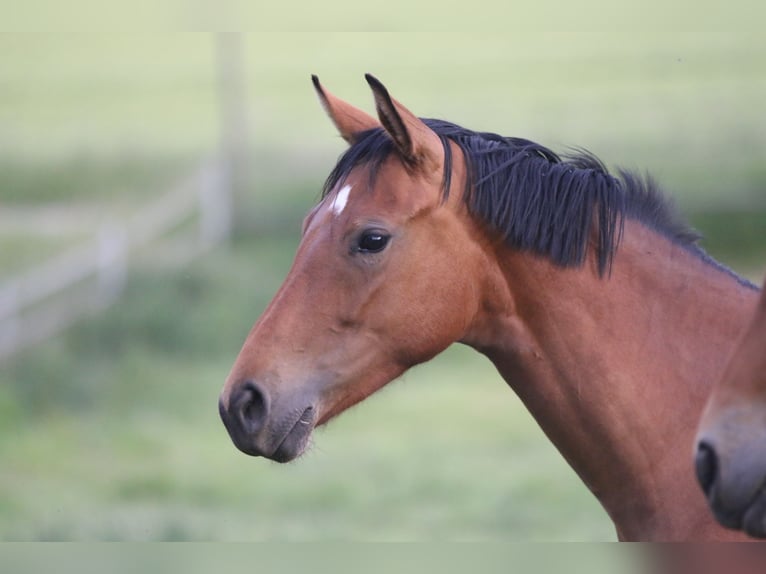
[[9, 319], [234, 125], [112, 261]]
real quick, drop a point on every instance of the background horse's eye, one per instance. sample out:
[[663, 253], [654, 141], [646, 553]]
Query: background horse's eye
[[373, 241]]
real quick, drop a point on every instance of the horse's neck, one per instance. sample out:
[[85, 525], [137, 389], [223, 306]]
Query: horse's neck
[[616, 370]]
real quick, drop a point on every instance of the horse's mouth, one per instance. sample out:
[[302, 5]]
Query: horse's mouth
[[754, 519], [295, 441], [750, 518]]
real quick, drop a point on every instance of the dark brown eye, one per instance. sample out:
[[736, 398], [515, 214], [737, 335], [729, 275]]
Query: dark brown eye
[[373, 242]]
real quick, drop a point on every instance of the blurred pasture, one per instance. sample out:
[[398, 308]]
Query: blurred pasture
[[110, 430]]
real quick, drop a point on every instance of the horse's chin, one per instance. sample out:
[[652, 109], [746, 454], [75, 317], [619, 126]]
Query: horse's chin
[[750, 518], [296, 440], [754, 519]]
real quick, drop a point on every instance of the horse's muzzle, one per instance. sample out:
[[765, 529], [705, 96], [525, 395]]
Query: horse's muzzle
[[259, 428], [735, 489]]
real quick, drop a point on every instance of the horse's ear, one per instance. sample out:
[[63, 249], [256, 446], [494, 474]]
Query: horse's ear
[[349, 120], [417, 143]]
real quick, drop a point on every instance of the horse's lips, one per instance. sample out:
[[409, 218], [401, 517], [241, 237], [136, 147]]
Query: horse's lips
[[754, 518], [750, 517], [296, 439]]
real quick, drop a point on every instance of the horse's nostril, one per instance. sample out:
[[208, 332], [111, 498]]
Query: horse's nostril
[[706, 465], [250, 407]]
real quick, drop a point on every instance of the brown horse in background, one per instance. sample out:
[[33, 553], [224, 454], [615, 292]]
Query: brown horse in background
[[731, 447], [586, 291]]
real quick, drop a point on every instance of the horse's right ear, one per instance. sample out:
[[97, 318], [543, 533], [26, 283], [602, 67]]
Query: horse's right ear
[[349, 120]]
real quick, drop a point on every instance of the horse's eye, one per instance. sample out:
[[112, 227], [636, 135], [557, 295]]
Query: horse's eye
[[373, 242]]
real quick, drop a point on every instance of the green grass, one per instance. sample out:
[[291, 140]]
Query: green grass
[[148, 475], [736, 237], [110, 431], [656, 96], [87, 178], [123, 411]]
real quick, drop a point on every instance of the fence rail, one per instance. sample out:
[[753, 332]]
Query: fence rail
[[46, 299]]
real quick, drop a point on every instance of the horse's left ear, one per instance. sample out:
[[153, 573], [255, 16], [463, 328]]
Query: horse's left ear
[[349, 120], [417, 143]]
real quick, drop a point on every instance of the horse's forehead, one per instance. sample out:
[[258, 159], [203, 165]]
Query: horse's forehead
[[333, 208], [390, 192]]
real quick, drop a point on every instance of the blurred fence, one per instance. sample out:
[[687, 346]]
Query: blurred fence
[[46, 299]]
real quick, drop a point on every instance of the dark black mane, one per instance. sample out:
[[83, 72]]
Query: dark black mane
[[537, 200]]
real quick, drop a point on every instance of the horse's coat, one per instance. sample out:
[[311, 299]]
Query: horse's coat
[[586, 291]]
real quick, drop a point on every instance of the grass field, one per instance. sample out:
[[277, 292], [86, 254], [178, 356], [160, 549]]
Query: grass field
[[123, 412], [111, 432]]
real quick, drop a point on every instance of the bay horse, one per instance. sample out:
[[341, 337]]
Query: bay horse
[[731, 443], [586, 290]]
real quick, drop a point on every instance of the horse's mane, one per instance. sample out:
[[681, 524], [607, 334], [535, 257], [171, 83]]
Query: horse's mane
[[535, 199]]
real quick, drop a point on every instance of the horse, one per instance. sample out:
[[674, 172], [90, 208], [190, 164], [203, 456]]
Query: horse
[[586, 290], [731, 442]]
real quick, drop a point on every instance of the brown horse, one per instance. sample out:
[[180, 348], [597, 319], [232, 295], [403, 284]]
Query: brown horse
[[731, 448], [585, 290]]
